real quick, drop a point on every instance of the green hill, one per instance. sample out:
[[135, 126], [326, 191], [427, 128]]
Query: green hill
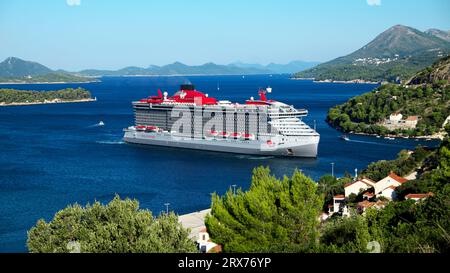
[[395, 54], [370, 112], [440, 71], [15, 70]]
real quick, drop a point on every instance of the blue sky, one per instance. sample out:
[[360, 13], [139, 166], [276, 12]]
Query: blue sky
[[110, 34]]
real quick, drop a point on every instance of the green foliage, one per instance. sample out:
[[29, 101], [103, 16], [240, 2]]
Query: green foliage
[[328, 186], [414, 227], [362, 114], [53, 77], [345, 235], [21, 96], [272, 216], [119, 227], [403, 165]]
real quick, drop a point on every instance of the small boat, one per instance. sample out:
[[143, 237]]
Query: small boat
[[345, 137], [378, 136], [140, 128], [389, 138], [101, 123], [152, 128]]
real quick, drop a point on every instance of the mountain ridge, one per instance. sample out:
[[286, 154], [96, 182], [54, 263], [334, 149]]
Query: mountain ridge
[[395, 54], [19, 69]]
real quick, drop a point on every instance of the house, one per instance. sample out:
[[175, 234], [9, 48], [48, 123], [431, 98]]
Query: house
[[411, 122], [204, 242], [338, 203], [368, 196], [388, 193], [417, 196], [358, 186], [395, 117], [364, 205], [391, 180]]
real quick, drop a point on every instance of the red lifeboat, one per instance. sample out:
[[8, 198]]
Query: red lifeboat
[[151, 128], [248, 136], [235, 135]]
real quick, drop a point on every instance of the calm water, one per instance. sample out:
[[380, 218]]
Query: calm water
[[55, 155]]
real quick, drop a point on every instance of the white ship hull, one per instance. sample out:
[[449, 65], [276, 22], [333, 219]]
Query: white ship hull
[[302, 146]]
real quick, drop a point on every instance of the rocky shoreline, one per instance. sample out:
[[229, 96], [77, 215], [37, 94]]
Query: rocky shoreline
[[357, 81]]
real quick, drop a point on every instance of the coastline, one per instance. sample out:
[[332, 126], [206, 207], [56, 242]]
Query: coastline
[[7, 83], [357, 81], [47, 102], [437, 136]]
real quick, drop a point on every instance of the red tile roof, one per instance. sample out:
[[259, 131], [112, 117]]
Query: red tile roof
[[397, 178], [412, 118], [340, 196], [418, 195], [392, 187], [362, 181]]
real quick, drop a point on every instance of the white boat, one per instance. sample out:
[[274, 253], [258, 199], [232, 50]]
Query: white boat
[[101, 123]]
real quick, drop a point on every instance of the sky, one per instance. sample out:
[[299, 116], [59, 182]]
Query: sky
[[111, 34]]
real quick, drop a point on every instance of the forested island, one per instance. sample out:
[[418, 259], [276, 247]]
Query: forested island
[[419, 108], [27, 97]]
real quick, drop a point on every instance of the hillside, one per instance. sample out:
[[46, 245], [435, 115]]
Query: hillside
[[15, 67], [15, 70], [440, 71], [395, 54], [419, 110], [444, 35]]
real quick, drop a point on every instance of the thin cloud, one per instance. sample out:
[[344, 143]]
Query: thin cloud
[[73, 2], [374, 2]]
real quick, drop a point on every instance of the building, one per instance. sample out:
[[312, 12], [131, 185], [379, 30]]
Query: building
[[391, 180], [395, 117], [396, 121], [418, 196], [364, 205], [388, 193], [411, 122], [204, 242], [358, 186], [368, 196], [338, 203]]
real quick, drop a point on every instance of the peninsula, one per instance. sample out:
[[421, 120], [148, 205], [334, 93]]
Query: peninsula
[[13, 97], [420, 108]]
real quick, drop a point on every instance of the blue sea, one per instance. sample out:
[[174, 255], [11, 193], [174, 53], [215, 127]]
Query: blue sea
[[55, 155]]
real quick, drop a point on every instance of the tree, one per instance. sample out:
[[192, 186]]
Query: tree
[[272, 216], [345, 235], [118, 227], [328, 186]]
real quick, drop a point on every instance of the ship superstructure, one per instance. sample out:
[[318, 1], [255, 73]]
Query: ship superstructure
[[192, 119]]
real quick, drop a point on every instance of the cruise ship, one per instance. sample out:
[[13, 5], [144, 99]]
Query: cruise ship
[[191, 119]]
